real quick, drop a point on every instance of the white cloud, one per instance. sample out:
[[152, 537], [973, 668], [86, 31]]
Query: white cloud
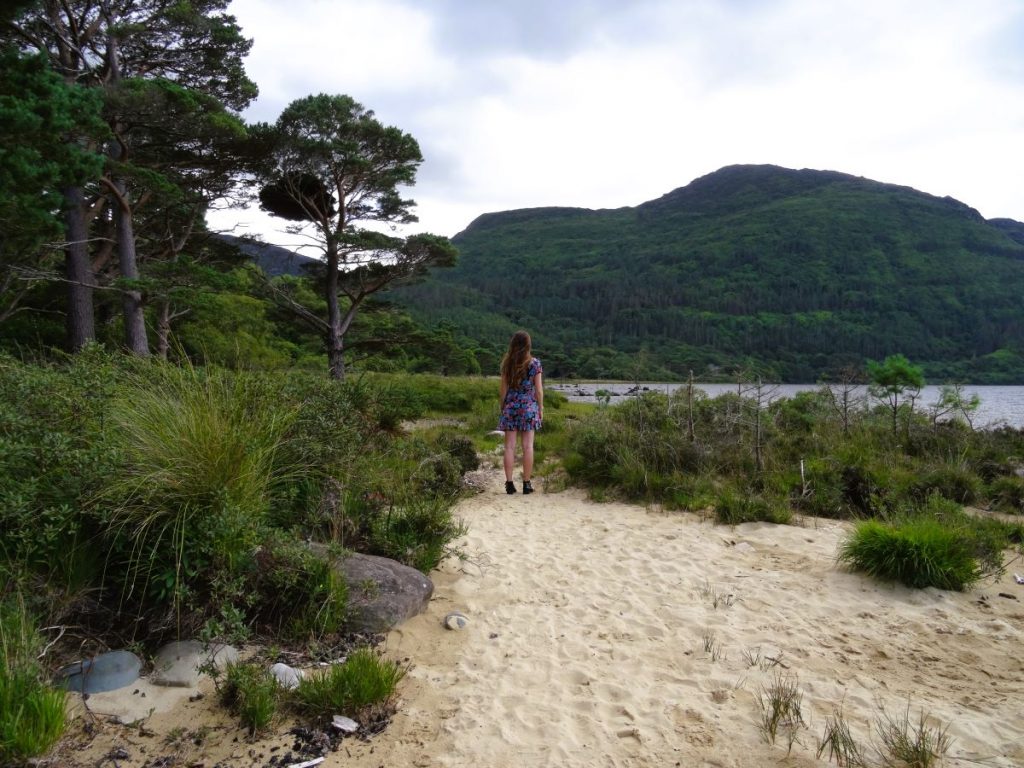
[[601, 104]]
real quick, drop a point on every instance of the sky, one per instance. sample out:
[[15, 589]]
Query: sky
[[610, 103]]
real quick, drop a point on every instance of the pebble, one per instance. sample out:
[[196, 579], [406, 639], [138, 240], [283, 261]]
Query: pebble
[[455, 620]]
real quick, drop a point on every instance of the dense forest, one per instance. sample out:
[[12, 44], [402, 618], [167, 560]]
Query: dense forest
[[792, 274]]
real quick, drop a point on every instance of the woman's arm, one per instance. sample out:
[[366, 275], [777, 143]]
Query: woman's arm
[[538, 386], [504, 391]]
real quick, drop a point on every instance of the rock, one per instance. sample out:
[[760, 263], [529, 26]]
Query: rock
[[287, 677], [455, 620], [106, 672], [345, 724], [177, 664], [382, 593]]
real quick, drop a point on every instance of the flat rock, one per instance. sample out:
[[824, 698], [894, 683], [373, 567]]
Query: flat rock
[[382, 593], [178, 664], [106, 672]]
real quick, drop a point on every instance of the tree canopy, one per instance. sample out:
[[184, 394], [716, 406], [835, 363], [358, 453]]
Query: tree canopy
[[334, 168]]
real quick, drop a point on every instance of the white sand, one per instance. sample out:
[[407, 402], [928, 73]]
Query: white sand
[[586, 644], [585, 647]]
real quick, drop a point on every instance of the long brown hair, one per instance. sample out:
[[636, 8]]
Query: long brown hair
[[516, 362]]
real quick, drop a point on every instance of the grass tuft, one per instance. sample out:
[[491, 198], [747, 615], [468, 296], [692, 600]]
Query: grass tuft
[[252, 693], [31, 712], [781, 702], [364, 682], [840, 744], [911, 745], [919, 553]]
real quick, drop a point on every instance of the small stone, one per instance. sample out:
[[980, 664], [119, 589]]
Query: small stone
[[287, 677], [455, 620], [345, 724]]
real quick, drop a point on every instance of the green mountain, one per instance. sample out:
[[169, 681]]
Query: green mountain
[[790, 273]]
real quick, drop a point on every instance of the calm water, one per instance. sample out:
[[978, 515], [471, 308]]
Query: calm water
[[999, 405]]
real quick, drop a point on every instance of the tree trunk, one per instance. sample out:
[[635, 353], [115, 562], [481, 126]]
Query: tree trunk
[[134, 318], [335, 340], [81, 323], [163, 329]]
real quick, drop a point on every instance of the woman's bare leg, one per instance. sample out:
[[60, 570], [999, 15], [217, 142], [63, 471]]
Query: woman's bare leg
[[527, 436], [510, 453]]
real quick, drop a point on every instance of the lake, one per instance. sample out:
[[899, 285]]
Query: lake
[[999, 405]]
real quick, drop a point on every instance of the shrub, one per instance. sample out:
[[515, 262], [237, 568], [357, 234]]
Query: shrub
[[733, 507], [921, 552], [363, 683], [31, 712], [1007, 494], [439, 475], [460, 448], [952, 481], [53, 456], [417, 532], [296, 592]]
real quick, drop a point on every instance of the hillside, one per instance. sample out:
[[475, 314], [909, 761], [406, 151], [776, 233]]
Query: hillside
[[794, 273]]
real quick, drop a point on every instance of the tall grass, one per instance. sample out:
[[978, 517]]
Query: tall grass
[[31, 711], [199, 468]]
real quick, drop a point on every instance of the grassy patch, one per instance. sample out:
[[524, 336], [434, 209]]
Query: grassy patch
[[31, 711], [252, 693], [919, 553], [363, 683]]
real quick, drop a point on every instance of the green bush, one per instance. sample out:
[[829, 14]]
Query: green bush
[[417, 532], [955, 482], [733, 507], [460, 448], [363, 683], [922, 552], [1007, 494], [31, 711], [53, 456], [295, 592]]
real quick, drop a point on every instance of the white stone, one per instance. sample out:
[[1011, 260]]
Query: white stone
[[455, 620], [345, 724], [287, 677]]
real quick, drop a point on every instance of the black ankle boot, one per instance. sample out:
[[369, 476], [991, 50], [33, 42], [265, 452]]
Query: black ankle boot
[[510, 487], [527, 487]]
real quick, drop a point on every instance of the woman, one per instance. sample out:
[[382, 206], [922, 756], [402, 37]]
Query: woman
[[522, 406]]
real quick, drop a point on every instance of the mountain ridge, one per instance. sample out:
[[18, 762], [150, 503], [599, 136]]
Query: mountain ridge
[[792, 272]]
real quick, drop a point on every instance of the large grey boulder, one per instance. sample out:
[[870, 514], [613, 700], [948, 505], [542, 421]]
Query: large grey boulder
[[382, 593]]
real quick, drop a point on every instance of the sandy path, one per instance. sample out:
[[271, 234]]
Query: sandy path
[[587, 634], [586, 647]]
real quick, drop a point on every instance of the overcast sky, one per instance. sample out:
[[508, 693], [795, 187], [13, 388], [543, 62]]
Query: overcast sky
[[608, 103]]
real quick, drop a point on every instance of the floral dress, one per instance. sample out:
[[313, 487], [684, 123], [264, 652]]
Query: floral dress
[[519, 412]]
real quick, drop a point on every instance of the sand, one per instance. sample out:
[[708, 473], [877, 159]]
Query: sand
[[614, 635]]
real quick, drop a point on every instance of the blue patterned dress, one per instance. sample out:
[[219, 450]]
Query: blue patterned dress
[[519, 412]]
